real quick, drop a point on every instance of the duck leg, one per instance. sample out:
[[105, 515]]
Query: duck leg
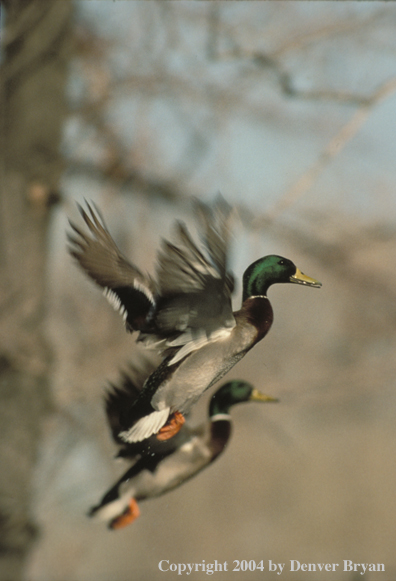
[[172, 426], [131, 513]]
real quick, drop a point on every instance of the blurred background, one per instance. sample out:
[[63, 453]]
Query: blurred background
[[289, 110]]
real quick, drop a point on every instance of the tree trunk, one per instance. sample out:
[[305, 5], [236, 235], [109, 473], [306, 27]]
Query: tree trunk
[[33, 109]]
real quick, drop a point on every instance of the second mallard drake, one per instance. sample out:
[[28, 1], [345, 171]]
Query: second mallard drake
[[158, 467], [185, 312]]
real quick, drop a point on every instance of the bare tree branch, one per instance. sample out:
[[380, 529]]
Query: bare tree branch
[[334, 148]]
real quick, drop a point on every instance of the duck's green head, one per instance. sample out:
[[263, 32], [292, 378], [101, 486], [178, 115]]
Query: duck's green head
[[234, 392], [269, 270]]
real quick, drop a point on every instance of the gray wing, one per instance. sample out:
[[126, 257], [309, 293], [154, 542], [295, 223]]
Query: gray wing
[[194, 304], [190, 304], [125, 286]]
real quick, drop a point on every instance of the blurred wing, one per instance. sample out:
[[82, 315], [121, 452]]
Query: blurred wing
[[195, 290], [215, 225], [122, 396], [127, 289]]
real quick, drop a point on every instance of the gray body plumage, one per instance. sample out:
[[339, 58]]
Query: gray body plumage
[[175, 469]]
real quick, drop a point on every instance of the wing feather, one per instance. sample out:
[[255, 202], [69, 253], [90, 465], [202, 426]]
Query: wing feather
[[189, 303], [128, 290], [194, 288]]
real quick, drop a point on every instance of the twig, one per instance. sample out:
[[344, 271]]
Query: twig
[[334, 148]]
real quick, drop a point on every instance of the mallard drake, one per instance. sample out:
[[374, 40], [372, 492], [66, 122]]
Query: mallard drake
[[185, 311], [162, 466]]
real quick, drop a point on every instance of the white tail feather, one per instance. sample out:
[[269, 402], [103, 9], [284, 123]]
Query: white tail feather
[[145, 427]]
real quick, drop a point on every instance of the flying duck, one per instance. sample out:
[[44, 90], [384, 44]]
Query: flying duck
[[160, 466], [185, 311]]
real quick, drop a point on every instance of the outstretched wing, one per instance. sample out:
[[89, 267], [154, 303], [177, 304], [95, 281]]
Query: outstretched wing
[[127, 289], [190, 304], [194, 304]]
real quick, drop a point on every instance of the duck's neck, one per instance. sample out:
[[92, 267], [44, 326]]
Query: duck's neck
[[256, 281], [259, 313], [220, 432]]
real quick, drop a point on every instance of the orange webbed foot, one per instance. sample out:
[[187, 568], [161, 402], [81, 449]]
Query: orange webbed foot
[[131, 513], [172, 426]]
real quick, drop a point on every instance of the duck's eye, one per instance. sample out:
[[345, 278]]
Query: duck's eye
[[281, 262]]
